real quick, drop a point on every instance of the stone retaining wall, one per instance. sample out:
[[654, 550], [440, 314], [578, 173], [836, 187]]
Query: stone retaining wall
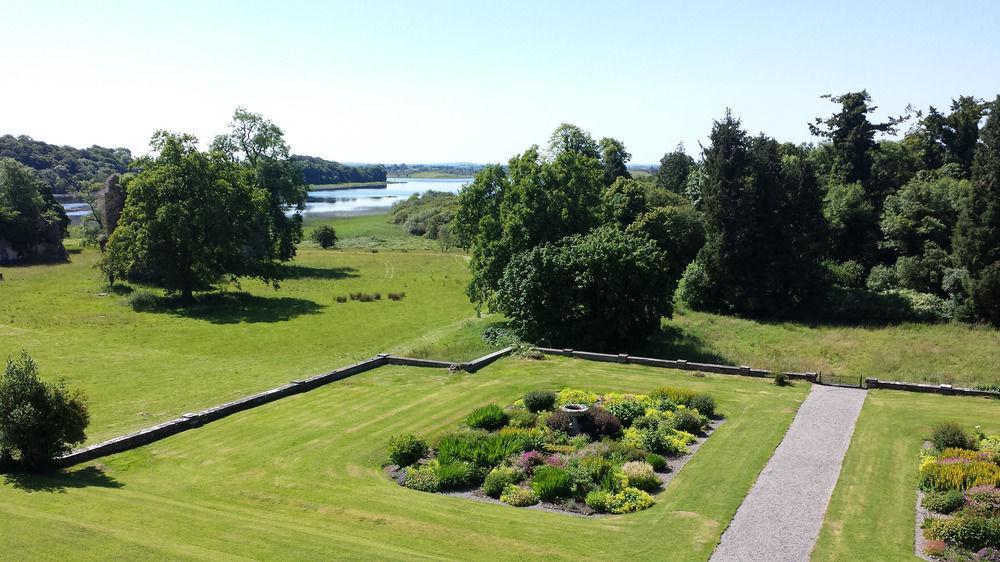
[[931, 388]]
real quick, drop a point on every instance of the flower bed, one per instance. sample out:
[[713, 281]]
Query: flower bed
[[959, 479], [575, 451]]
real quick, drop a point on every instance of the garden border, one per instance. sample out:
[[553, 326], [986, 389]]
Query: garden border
[[197, 419]]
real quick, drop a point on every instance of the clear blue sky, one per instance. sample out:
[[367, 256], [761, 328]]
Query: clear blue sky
[[476, 81]]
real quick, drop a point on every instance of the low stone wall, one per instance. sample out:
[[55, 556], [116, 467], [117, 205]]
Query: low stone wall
[[473, 366], [680, 364], [930, 388]]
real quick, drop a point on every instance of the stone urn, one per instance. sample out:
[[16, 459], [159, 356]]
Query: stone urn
[[576, 413]]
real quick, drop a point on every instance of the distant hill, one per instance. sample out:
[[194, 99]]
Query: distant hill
[[318, 171], [65, 168]]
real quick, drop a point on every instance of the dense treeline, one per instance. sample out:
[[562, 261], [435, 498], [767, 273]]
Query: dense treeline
[[428, 215], [64, 168], [317, 171], [858, 227], [32, 223], [453, 170]]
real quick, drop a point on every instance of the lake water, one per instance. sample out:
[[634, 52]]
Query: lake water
[[343, 202], [368, 200]]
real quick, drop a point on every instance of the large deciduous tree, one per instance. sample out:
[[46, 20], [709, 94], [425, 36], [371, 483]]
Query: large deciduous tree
[[615, 159], [32, 223], [190, 219], [675, 167], [259, 147]]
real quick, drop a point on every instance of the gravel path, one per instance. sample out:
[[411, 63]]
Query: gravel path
[[781, 517]]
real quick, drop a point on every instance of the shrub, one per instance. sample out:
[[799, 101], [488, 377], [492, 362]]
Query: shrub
[[972, 532], [658, 462], [455, 474], [483, 451], [944, 502], [341, 299], [489, 417], [984, 500], [518, 496], [626, 408], [551, 483], [396, 296], [406, 449], [951, 435], [781, 379], [560, 421], [530, 439], [596, 466], [522, 419], [574, 396], [498, 479], [39, 421], [325, 236], [688, 420], [581, 481], [613, 482], [958, 475], [641, 475], [602, 423], [423, 477], [628, 500], [539, 400], [145, 301], [673, 394], [598, 500], [704, 403], [529, 460]]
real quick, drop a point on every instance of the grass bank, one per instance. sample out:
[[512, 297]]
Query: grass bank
[[301, 479], [871, 515]]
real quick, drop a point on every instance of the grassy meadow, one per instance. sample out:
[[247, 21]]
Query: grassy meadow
[[871, 515], [301, 478]]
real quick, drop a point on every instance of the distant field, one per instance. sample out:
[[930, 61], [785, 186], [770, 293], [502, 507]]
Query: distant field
[[301, 479], [871, 514], [935, 353], [372, 232], [142, 367]]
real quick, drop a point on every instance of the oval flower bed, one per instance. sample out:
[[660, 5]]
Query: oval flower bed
[[573, 450], [959, 479]]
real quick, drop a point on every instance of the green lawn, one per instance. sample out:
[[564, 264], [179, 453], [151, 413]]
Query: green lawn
[[371, 232], [138, 368], [934, 353], [871, 514], [300, 478]]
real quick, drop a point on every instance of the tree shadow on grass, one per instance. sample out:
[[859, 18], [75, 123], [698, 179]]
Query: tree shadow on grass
[[298, 271], [672, 342], [58, 482], [231, 308]]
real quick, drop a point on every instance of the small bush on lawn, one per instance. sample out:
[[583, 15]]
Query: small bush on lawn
[[325, 236], [704, 403], [551, 483], [781, 379], [406, 449], [518, 496], [423, 477], [658, 463], [455, 474], [944, 502], [539, 400], [498, 479], [39, 421], [641, 475], [489, 417], [951, 435]]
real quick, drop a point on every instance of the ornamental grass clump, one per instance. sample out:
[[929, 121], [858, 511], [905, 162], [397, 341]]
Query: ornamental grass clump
[[490, 417], [641, 475], [551, 483]]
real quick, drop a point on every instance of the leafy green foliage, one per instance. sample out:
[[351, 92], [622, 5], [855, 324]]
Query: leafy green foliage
[[944, 502], [490, 417], [481, 450], [317, 171], [32, 223], [423, 477], [455, 474], [704, 403], [614, 159], [658, 462], [599, 290], [518, 496], [429, 214], [971, 532], [675, 168], [406, 449], [39, 421], [952, 435], [602, 423], [325, 236], [498, 479], [551, 483], [66, 169], [539, 400], [640, 474]]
